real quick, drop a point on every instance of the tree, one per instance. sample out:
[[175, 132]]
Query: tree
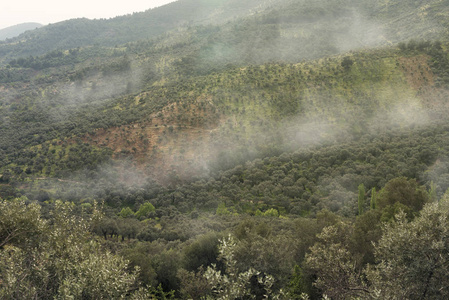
[[367, 229], [98, 275], [373, 198], [272, 212], [361, 199], [433, 191], [413, 256], [202, 252], [299, 288], [222, 210], [106, 226], [347, 63], [145, 210], [126, 212], [60, 260], [166, 265], [402, 191], [194, 285], [20, 223], [234, 284], [336, 268], [129, 228]]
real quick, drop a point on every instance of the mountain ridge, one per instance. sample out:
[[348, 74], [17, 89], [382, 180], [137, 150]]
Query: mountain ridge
[[16, 30], [292, 25]]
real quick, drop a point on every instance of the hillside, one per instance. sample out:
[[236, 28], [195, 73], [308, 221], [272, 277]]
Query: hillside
[[223, 32], [276, 99], [302, 139], [16, 30], [129, 28]]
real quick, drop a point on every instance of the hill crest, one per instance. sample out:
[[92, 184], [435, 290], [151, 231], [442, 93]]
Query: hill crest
[[16, 30]]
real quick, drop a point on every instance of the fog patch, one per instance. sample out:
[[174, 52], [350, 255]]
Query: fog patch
[[406, 114], [361, 32], [438, 176], [63, 100]]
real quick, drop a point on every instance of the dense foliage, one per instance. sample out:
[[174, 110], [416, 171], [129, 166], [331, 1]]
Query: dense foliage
[[228, 150]]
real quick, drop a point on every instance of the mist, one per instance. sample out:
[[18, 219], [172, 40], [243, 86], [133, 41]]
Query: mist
[[227, 147], [93, 91], [266, 33]]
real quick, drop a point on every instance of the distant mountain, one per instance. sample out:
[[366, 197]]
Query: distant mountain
[[132, 27], [220, 32], [16, 30]]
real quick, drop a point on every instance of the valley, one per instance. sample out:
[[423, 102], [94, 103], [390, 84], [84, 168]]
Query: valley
[[228, 150]]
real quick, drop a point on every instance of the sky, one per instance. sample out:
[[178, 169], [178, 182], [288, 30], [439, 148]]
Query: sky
[[13, 12]]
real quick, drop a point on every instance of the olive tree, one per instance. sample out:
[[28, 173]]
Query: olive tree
[[58, 258], [413, 256]]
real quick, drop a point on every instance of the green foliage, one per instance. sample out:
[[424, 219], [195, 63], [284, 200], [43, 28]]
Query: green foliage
[[373, 198], [347, 63], [145, 210], [361, 199], [367, 230], [167, 265], [433, 192], [20, 223], [153, 293], [402, 191], [234, 284], [194, 285], [203, 252], [126, 212], [63, 262], [412, 256], [389, 213], [335, 267], [269, 253], [271, 213], [297, 287], [222, 210], [138, 257], [97, 276]]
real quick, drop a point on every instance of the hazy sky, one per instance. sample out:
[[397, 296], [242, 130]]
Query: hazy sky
[[14, 12]]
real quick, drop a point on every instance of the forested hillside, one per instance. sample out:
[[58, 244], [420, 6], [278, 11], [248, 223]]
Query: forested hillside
[[228, 150]]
